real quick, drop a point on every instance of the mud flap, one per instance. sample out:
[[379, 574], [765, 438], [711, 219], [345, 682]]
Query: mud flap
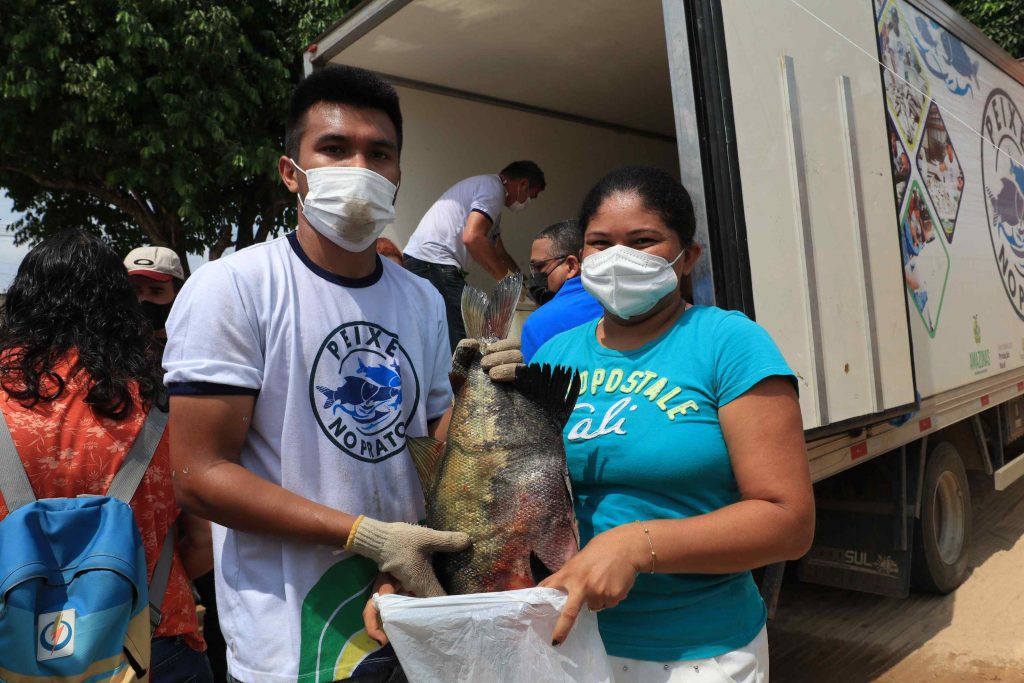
[[864, 535]]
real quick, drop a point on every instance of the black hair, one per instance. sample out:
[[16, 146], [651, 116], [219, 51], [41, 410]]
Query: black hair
[[72, 293], [339, 85], [566, 237], [657, 189], [518, 170]]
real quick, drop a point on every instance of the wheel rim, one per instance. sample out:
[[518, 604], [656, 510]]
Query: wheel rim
[[948, 521]]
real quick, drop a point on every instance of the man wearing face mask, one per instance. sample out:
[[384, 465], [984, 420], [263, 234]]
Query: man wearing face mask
[[297, 369], [466, 223], [556, 286], [156, 276]]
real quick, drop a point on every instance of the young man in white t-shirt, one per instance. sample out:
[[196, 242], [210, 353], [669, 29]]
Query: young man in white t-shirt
[[297, 368], [465, 222]]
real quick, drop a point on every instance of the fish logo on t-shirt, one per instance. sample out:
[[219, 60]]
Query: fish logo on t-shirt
[[364, 391], [370, 396]]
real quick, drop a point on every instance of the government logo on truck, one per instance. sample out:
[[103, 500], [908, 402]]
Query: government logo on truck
[[1002, 162]]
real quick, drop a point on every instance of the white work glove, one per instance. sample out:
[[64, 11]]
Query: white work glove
[[404, 551], [501, 360]]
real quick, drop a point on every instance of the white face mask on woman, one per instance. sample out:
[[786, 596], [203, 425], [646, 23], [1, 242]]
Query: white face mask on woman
[[628, 282], [348, 205]]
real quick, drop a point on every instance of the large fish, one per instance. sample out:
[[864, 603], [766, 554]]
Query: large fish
[[501, 476]]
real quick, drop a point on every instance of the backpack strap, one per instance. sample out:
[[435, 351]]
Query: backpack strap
[[161, 574], [14, 483], [135, 464], [123, 487]]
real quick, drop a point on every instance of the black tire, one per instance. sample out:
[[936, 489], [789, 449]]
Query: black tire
[[942, 534]]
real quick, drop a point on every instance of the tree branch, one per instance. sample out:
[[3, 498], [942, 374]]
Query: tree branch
[[268, 216], [125, 203]]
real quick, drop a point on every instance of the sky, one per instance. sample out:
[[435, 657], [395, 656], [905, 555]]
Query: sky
[[10, 255]]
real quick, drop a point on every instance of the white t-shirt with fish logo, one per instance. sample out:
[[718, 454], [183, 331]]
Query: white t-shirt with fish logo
[[342, 371]]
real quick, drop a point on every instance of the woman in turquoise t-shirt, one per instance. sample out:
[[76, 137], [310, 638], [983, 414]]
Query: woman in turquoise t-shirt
[[685, 450]]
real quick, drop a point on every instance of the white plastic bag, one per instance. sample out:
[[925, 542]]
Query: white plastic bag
[[494, 637]]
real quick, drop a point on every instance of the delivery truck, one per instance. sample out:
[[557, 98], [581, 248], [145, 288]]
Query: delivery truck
[[857, 170]]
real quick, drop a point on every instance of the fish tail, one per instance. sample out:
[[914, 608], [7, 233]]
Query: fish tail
[[490, 318], [554, 389], [328, 394]]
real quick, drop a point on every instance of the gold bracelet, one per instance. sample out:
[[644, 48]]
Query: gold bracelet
[[352, 532], [654, 555]]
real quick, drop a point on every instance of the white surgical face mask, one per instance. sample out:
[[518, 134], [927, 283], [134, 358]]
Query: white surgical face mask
[[628, 282], [348, 205], [517, 205]]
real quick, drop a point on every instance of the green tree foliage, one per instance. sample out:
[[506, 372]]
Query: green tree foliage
[[1001, 20], [156, 121]]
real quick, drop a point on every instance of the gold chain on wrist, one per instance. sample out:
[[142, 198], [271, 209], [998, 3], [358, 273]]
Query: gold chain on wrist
[[650, 543]]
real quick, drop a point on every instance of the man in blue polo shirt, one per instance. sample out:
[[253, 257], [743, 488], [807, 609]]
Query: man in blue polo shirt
[[556, 287]]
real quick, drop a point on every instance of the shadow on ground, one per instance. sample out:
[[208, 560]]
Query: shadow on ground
[[837, 636]]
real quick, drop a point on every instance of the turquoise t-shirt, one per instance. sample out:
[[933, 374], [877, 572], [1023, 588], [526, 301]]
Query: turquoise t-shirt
[[644, 442]]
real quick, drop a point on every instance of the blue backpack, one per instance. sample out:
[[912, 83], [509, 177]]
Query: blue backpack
[[74, 604]]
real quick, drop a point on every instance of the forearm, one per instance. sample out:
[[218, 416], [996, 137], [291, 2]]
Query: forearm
[[232, 496], [484, 253], [507, 261], [195, 544], [197, 560], [438, 429], [738, 537]]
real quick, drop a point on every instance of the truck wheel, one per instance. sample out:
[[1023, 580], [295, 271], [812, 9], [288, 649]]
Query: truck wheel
[[943, 531]]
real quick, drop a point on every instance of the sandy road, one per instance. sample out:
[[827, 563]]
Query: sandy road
[[975, 634]]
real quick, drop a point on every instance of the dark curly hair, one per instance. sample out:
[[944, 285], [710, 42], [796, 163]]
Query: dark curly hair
[[72, 293]]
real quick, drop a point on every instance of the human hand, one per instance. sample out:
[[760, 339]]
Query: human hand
[[501, 360], [385, 584], [404, 551], [599, 576]]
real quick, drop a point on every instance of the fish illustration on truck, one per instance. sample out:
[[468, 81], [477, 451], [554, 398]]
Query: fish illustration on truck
[[1008, 208], [946, 57]]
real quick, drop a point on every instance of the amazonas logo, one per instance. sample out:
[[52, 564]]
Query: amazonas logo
[[361, 379], [1002, 156], [56, 632]]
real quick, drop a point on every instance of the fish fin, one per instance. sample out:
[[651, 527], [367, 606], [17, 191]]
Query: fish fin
[[555, 389], [490, 318], [426, 454], [538, 569]]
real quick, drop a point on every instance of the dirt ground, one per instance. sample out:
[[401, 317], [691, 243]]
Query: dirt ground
[[975, 634]]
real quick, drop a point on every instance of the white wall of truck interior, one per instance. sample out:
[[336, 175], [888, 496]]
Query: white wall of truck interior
[[450, 138]]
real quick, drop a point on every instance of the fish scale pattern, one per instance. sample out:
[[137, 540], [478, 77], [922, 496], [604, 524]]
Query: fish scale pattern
[[502, 479]]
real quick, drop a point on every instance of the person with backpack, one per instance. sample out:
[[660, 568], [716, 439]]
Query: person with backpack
[[95, 555]]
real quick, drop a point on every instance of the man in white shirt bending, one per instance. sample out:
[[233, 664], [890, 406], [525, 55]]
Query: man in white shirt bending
[[466, 222]]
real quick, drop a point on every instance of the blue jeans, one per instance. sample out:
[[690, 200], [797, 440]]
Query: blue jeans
[[173, 661], [450, 281]]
